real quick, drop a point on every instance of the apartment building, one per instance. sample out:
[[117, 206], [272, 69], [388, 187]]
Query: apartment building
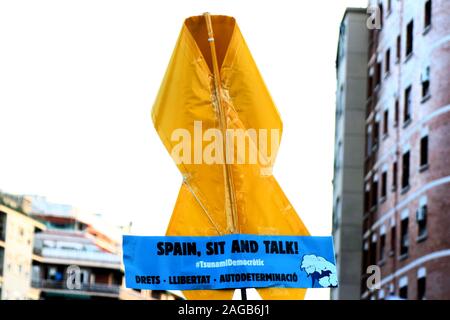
[[17, 232], [407, 168], [351, 76]]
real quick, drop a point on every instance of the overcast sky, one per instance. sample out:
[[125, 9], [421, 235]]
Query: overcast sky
[[78, 80]]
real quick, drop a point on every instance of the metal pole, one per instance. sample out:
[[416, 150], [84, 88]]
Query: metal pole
[[230, 196], [243, 294]]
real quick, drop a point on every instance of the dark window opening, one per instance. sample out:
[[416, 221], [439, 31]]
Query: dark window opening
[[426, 83], [381, 15], [403, 292], [421, 288], [383, 184], [427, 22], [373, 253], [421, 218], [409, 38], [369, 86], [386, 122], [374, 193], [396, 112], [425, 88], [408, 105], [404, 237], [405, 172], [366, 201], [369, 141], [377, 74], [399, 48], [387, 61], [376, 133], [394, 175], [424, 151], [2, 226]]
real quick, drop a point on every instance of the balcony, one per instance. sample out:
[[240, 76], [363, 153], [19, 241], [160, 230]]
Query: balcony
[[80, 256], [98, 289]]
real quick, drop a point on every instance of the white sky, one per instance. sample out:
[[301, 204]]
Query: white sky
[[78, 80]]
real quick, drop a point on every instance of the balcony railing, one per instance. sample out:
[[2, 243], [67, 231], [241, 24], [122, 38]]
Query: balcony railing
[[86, 287]]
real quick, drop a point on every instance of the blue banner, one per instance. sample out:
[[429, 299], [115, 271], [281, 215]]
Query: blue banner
[[230, 261]]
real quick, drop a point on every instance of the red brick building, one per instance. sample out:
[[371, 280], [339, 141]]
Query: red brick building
[[406, 226]]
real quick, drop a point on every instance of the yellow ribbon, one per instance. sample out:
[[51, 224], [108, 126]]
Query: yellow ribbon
[[221, 198]]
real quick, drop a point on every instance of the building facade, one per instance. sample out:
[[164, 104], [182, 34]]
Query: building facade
[[406, 218], [71, 265], [77, 257], [50, 251], [17, 232], [348, 177]]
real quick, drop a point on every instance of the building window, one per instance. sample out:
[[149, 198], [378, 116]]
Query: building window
[[2, 261], [377, 74], [409, 38], [394, 175], [382, 246], [425, 79], [399, 48], [374, 192], [421, 283], [405, 171], [369, 140], [365, 255], [408, 106], [393, 238], [373, 251], [424, 152], [421, 288], [2, 226], [383, 184], [369, 87], [421, 218], [387, 62], [403, 291], [380, 6], [404, 236], [396, 112], [366, 200], [427, 20], [376, 131], [386, 122]]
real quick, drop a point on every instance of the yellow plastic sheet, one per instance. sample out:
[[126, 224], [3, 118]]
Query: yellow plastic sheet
[[188, 97]]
